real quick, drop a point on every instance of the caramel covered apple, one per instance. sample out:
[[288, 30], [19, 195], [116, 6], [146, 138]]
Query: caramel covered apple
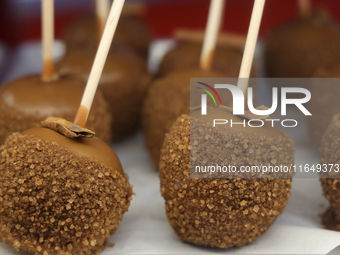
[[124, 82], [324, 104], [299, 48], [131, 31], [63, 191], [186, 55], [222, 212], [26, 101], [166, 100], [60, 195], [329, 159]]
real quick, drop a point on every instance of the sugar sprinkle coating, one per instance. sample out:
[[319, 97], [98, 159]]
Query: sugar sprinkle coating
[[166, 100], [330, 151], [53, 201], [326, 104], [329, 220], [215, 212]]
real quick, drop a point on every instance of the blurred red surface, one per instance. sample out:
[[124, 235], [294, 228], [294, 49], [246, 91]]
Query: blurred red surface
[[162, 16]]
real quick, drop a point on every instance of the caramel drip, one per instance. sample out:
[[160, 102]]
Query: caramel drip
[[81, 116]]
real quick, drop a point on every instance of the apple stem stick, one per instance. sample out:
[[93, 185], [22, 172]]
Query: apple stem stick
[[102, 12], [99, 62], [47, 39], [249, 49], [211, 33]]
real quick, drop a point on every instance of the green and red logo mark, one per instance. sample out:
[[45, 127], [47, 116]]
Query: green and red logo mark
[[209, 93]]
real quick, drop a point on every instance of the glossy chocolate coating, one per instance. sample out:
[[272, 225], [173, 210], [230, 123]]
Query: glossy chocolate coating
[[92, 148]]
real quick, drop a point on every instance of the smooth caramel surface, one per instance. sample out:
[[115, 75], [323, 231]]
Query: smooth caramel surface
[[92, 148], [31, 95]]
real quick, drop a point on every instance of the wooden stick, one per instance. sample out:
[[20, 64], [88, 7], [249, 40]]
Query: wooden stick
[[211, 33], [249, 49], [102, 12], [47, 39], [223, 39], [99, 62], [305, 8]]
